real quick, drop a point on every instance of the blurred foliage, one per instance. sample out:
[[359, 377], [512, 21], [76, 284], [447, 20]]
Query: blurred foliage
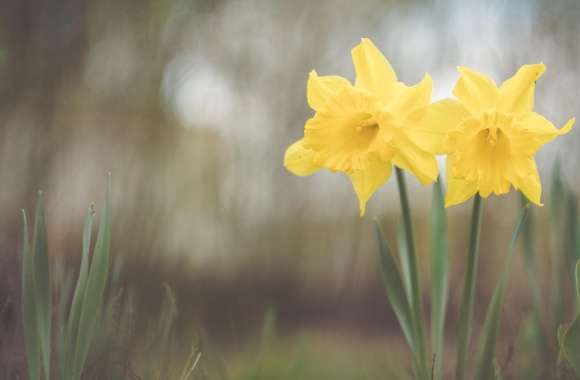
[[190, 104]]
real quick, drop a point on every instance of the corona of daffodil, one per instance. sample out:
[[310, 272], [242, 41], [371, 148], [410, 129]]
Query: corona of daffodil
[[492, 135], [366, 128]]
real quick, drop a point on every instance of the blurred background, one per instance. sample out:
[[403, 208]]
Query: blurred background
[[191, 105]]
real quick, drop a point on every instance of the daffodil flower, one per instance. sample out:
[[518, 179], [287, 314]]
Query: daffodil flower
[[365, 129], [492, 135]]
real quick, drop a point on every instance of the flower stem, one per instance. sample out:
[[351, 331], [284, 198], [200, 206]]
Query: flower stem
[[416, 301], [466, 313]]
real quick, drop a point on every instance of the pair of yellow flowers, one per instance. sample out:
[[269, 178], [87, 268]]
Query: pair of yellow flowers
[[489, 134]]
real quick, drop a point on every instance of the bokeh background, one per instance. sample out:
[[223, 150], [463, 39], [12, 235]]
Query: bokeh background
[[191, 104]]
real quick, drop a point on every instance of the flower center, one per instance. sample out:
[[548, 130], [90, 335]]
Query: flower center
[[485, 155], [368, 125], [494, 125], [493, 134]]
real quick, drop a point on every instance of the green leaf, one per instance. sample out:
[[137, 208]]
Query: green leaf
[[31, 339], [43, 288], [439, 277], [94, 291], [577, 277], [570, 345], [78, 297], [485, 369], [65, 288], [556, 221], [542, 347], [394, 287], [572, 227]]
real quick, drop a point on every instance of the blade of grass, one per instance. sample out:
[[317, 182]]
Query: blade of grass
[[95, 289], [439, 280], [43, 289], [570, 345], [577, 278], [64, 285], [485, 368], [416, 299], [572, 227], [569, 338], [31, 339], [394, 287], [78, 297], [466, 313], [555, 215]]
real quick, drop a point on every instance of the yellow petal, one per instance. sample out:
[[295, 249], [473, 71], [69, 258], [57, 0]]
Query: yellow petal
[[533, 131], [538, 124], [373, 72], [324, 93], [458, 190], [525, 177], [475, 91], [428, 128], [516, 95], [406, 99], [411, 157], [299, 160], [366, 182]]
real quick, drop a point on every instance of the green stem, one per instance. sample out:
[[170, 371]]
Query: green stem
[[466, 314], [416, 302]]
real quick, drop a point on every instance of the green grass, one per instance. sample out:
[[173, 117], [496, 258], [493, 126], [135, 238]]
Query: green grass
[[85, 324]]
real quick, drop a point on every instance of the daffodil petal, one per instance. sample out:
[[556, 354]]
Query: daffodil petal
[[475, 91], [516, 95], [538, 124], [458, 190], [411, 157], [406, 99], [533, 131], [429, 127], [373, 72], [567, 127], [326, 93], [525, 177], [366, 182], [299, 160]]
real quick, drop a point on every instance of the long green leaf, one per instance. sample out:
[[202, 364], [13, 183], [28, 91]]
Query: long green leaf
[[577, 278], [395, 288], [43, 288], [556, 219], [65, 287], [485, 368], [570, 337], [31, 339], [439, 274], [76, 306], [540, 340], [570, 345], [95, 289], [572, 227]]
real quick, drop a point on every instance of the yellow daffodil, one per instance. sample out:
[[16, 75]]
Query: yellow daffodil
[[363, 130], [492, 135]]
